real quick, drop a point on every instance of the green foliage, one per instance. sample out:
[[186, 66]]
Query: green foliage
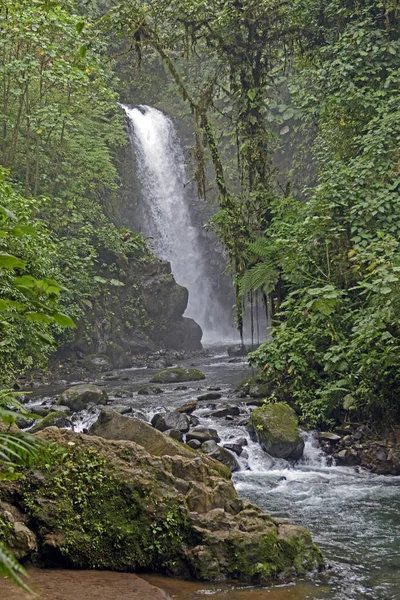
[[335, 347]]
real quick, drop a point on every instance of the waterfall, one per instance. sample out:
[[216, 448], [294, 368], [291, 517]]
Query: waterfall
[[166, 217]]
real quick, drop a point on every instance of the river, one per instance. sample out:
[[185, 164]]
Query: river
[[353, 515]]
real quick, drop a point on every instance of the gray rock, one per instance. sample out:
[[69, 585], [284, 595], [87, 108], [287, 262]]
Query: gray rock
[[203, 434], [328, 436], [194, 421], [171, 420], [79, 396], [175, 434], [238, 350], [195, 444], [229, 410], [150, 390], [381, 455], [187, 408], [210, 396], [236, 448], [222, 454]]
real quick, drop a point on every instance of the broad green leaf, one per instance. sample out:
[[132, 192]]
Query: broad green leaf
[[8, 261], [63, 320]]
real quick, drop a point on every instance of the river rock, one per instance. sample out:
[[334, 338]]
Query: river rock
[[187, 408], [53, 419], [150, 390], [171, 420], [238, 350], [177, 375], [236, 448], [175, 434], [195, 444], [210, 396], [328, 436], [20, 540], [203, 434], [95, 363], [275, 426], [212, 449], [79, 396], [194, 421], [230, 410]]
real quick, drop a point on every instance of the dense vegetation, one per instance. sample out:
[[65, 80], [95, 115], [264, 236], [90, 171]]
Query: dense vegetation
[[296, 109]]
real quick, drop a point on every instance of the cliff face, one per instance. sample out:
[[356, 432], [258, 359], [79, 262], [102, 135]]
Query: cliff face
[[142, 316]]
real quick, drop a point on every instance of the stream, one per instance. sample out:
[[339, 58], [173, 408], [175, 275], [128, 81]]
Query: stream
[[353, 515]]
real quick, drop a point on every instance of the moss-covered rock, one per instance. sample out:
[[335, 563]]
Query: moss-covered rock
[[111, 505], [177, 375], [79, 396], [53, 419], [275, 426]]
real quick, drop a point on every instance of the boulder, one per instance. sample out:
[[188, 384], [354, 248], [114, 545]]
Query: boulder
[[150, 390], [238, 350], [233, 447], [79, 396], [195, 444], [212, 449], [203, 530], [111, 425], [275, 427], [97, 363], [171, 420], [203, 434], [175, 434], [187, 408], [210, 396], [19, 539], [177, 375], [53, 419], [230, 410]]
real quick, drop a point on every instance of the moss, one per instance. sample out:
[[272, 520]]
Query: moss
[[105, 522], [57, 419], [177, 375], [276, 420]]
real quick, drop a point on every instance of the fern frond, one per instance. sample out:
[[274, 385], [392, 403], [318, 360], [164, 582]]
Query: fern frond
[[10, 567], [262, 276], [261, 247], [22, 449]]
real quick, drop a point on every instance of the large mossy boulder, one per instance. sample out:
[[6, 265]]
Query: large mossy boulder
[[112, 505], [79, 396], [177, 375], [275, 427]]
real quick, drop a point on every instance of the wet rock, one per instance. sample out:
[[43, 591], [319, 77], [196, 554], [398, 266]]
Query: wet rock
[[381, 455], [195, 444], [177, 375], [24, 423], [210, 396], [222, 454], [347, 457], [150, 390], [187, 408], [194, 421], [171, 420], [79, 396], [53, 419], [235, 360], [214, 388], [180, 388], [238, 350], [203, 434], [229, 410], [328, 436], [175, 434], [122, 410], [275, 427], [236, 448], [97, 363]]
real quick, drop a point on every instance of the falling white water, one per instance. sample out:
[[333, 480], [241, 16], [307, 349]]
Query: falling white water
[[166, 216]]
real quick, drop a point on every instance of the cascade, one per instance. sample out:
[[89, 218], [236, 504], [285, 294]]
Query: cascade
[[166, 218]]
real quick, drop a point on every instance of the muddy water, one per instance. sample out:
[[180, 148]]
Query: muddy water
[[353, 516]]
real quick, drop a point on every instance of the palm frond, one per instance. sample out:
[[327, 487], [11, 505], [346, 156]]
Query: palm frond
[[10, 568]]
